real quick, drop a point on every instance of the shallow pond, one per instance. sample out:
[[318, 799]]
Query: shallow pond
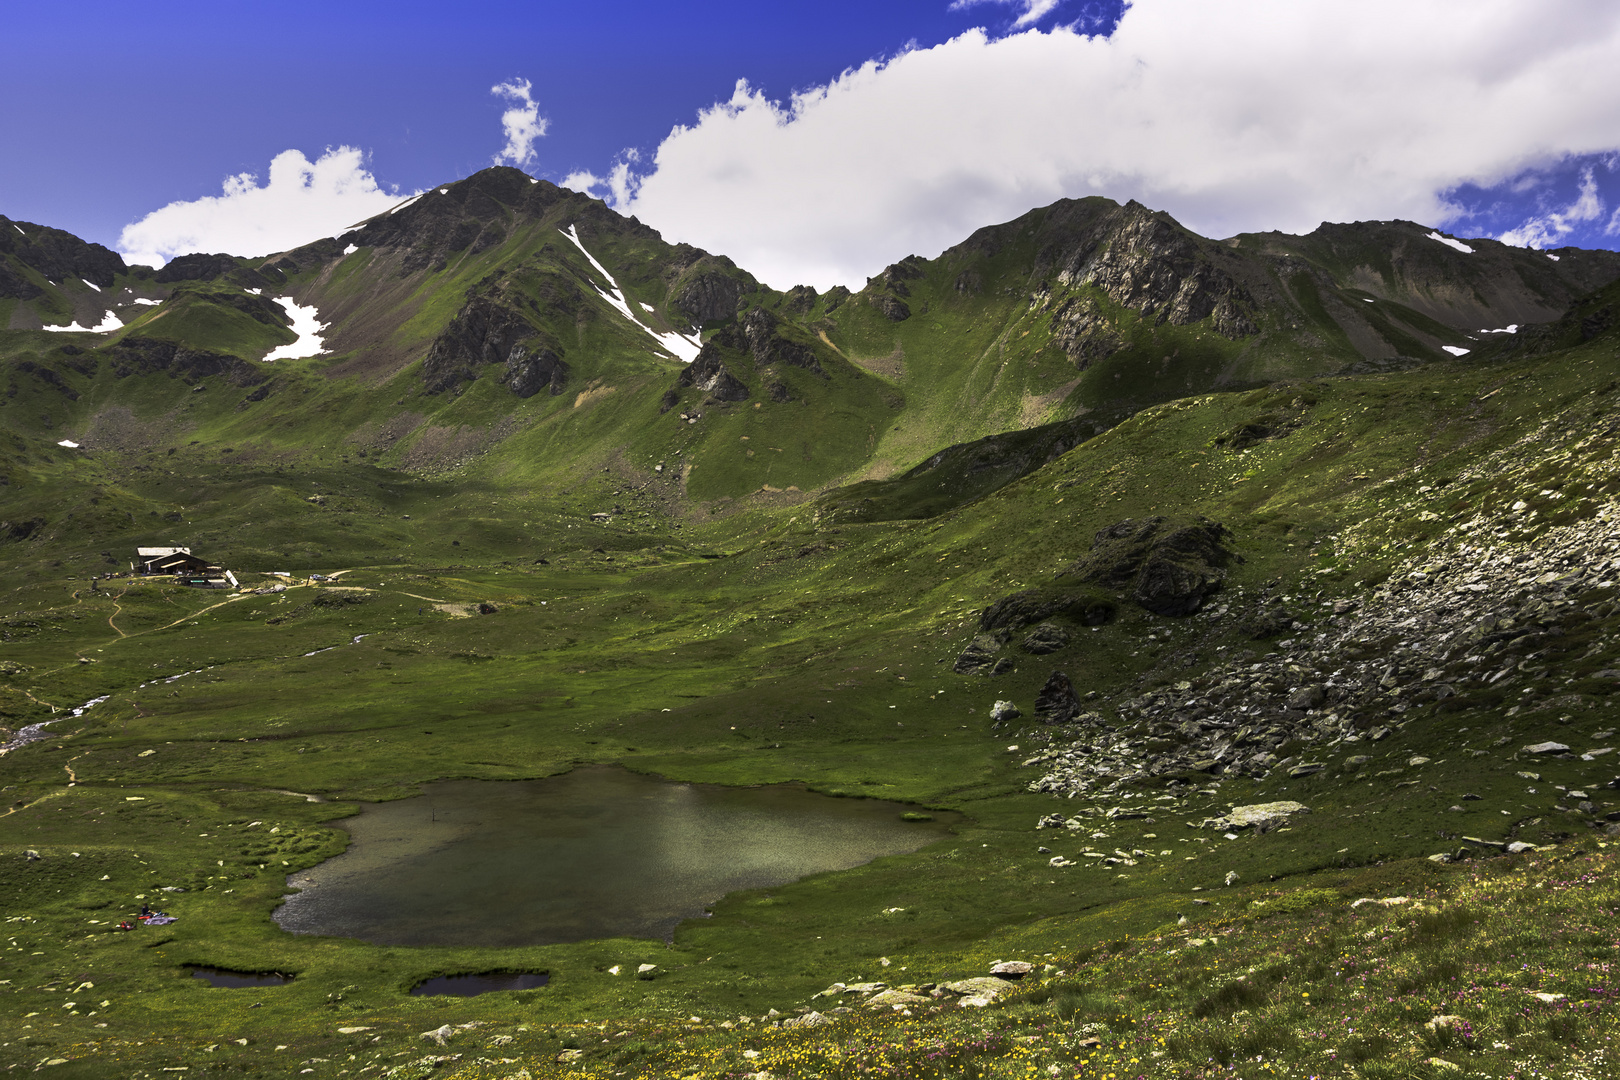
[[238, 979], [473, 985], [597, 852]]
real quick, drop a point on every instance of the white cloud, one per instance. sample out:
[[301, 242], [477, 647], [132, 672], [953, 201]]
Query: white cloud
[[522, 122], [617, 188], [1251, 114], [1034, 10], [1549, 229], [302, 201]]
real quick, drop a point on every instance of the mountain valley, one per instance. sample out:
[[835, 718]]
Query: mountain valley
[[1253, 600]]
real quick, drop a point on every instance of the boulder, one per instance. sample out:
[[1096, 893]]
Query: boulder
[[1057, 703], [1546, 748], [1307, 697], [1045, 638], [1169, 568], [981, 986], [1003, 711], [979, 658], [894, 999], [1261, 816], [1017, 610], [1012, 969]]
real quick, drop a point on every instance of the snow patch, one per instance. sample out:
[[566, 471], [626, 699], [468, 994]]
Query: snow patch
[[19, 230], [1365, 300], [1450, 243], [107, 325], [444, 191], [144, 302], [681, 346], [1550, 255], [69, 443], [92, 284], [1510, 329], [350, 250], [406, 203], [255, 292], [306, 323], [646, 306], [532, 180], [1455, 350]]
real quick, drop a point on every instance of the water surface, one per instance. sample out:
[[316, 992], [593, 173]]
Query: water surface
[[473, 985], [237, 979], [597, 852]]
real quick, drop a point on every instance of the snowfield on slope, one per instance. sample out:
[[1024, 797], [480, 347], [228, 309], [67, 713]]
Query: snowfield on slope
[[677, 344], [306, 323]]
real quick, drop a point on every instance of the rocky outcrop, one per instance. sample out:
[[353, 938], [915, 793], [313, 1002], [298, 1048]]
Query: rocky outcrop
[[706, 295], [141, 356], [528, 373], [1020, 609], [800, 299], [980, 656], [470, 215], [202, 267], [488, 331], [1084, 333], [1044, 639], [888, 288], [1148, 262], [709, 374], [1057, 703], [53, 253], [1480, 625], [759, 333], [1170, 569]]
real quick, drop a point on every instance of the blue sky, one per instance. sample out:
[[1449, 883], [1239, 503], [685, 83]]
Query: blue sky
[[1495, 117]]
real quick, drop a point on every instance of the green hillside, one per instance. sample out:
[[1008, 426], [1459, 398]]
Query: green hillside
[[1282, 546]]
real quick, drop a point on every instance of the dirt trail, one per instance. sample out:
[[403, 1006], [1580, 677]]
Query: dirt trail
[[193, 615], [117, 609]]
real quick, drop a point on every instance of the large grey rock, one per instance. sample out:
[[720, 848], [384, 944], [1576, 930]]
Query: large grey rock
[[1546, 748], [890, 998], [983, 985], [979, 658], [1045, 638], [1261, 816], [1003, 711], [1170, 568], [1307, 697], [1057, 703]]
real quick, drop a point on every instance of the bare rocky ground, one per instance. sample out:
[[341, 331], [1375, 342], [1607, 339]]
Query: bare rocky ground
[[1522, 630]]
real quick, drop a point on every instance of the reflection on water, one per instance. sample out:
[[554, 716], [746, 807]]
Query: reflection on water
[[598, 852]]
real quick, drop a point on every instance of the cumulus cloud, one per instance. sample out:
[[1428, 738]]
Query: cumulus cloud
[[522, 122], [303, 201], [1549, 229], [1252, 114]]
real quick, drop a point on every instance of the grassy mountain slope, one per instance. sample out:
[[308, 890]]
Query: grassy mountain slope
[[782, 640]]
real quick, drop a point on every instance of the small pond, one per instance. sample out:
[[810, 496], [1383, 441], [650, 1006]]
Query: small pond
[[473, 985], [597, 852], [222, 977]]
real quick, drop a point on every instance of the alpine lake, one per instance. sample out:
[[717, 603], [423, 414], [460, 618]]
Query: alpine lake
[[598, 852]]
